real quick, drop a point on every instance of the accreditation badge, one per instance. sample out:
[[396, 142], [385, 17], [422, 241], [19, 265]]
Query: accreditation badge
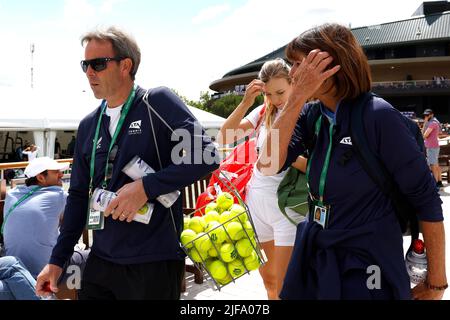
[[321, 215], [96, 220]]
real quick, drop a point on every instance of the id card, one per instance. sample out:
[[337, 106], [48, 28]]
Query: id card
[[96, 220], [320, 215]]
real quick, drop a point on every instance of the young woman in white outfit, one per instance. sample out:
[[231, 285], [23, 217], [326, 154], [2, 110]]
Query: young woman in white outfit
[[276, 233]]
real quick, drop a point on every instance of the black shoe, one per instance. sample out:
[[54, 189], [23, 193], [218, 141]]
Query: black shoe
[[439, 184]]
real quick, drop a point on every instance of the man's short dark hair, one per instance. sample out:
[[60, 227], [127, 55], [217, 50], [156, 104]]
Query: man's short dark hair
[[33, 180]]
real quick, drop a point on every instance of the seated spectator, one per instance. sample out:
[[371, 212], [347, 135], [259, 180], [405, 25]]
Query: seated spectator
[[32, 215], [16, 283]]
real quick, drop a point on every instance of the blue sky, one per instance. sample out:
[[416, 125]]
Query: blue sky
[[185, 44]]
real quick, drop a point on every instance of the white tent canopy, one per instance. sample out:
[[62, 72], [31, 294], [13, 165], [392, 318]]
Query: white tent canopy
[[45, 112], [28, 109]]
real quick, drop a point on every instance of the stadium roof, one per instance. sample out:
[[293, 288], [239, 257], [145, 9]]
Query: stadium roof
[[434, 27], [430, 23]]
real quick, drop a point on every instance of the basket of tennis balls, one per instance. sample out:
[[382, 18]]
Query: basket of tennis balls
[[220, 239]]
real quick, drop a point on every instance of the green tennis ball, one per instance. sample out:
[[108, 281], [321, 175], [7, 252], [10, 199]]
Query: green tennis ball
[[212, 206], [186, 223], [238, 211], [202, 242], [224, 217], [225, 280], [197, 255], [235, 231], [249, 228], [244, 247], [187, 236], [213, 252], [212, 215], [236, 268], [208, 262], [218, 270], [197, 224], [216, 232], [224, 201], [252, 262], [228, 252]]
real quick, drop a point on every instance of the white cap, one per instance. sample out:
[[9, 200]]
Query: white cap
[[41, 164]]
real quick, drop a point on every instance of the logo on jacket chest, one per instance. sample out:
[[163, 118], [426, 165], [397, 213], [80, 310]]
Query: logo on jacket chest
[[135, 128], [99, 143], [347, 141]]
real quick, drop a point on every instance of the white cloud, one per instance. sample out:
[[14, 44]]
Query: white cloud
[[210, 13]]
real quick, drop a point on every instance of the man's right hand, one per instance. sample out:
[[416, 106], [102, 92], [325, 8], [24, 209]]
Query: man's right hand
[[50, 274]]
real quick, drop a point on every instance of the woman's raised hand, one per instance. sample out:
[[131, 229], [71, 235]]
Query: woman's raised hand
[[254, 89], [311, 72]]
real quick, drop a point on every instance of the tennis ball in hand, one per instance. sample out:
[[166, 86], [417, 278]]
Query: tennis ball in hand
[[143, 209], [187, 236], [228, 252], [197, 224], [202, 242], [238, 211], [197, 255], [236, 268], [224, 201], [252, 261], [244, 247], [212, 206], [235, 230], [212, 215], [218, 270]]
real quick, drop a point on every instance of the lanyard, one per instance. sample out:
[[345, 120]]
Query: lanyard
[[25, 197], [323, 175], [123, 114]]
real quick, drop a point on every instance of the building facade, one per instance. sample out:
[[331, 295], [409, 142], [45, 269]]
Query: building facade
[[409, 60]]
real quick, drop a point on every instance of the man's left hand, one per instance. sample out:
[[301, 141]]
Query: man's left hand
[[130, 198], [421, 292]]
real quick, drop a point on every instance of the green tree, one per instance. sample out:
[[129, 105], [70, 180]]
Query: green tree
[[222, 107]]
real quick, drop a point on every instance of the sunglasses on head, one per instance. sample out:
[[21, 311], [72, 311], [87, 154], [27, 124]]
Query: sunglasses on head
[[98, 64]]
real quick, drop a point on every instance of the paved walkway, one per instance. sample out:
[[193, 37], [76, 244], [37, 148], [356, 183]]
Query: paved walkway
[[251, 287]]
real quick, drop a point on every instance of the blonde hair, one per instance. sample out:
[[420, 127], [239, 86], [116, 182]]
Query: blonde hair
[[277, 68]]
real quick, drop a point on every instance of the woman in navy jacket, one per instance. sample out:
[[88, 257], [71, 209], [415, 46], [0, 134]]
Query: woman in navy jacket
[[357, 230]]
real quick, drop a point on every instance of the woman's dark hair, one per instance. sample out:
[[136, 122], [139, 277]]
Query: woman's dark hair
[[354, 76], [33, 180]]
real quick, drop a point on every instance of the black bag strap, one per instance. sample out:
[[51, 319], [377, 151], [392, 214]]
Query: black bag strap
[[375, 168]]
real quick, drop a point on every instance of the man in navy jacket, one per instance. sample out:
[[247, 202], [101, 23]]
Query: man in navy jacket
[[129, 260]]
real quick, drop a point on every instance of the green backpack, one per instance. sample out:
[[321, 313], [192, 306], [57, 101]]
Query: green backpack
[[293, 193]]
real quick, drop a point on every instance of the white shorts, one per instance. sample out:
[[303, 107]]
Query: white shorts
[[269, 221]]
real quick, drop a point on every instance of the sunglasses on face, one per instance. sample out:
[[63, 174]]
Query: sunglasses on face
[[98, 64]]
